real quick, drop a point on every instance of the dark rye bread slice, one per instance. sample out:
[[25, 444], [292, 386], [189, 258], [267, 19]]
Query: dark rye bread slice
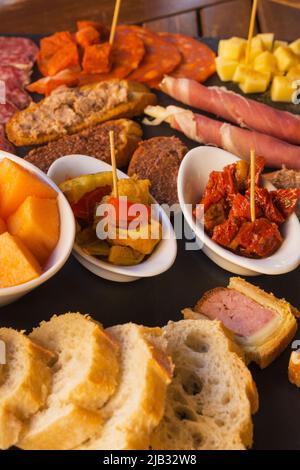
[[158, 159], [93, 142]]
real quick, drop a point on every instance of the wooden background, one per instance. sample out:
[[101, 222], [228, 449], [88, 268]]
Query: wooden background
[[193, 17]]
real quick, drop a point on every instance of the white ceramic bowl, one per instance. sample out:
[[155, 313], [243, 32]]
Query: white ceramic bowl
[[192, 179], [158, 262], [63, 248]]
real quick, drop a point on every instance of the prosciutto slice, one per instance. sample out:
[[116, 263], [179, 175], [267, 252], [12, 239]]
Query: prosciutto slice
[[231, 138], [235, 108]]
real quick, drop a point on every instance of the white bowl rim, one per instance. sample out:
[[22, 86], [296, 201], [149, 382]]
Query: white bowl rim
[[258, 265], [144, 268], [30, 285]]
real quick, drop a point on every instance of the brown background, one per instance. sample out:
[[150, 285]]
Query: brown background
[[194, 17]]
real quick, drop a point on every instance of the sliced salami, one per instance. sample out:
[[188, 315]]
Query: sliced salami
[[12, 75], [16, 95], [6, 112], [161, 57], [127, 52], [198, 60], [4, 143], [19, 52]]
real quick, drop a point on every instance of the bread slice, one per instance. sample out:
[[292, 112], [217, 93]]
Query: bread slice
[[138, 97], [85, 376], [294, 368], [265, 345], [138, 405], [212, 396], [25, 381], [93, 142]]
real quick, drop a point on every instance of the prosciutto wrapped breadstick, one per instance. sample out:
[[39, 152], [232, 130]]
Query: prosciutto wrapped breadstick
[[231, 138], [234, 108]]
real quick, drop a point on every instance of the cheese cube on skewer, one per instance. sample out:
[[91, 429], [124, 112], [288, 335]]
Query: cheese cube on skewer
[[267, 39], [255, 82], [226, 68], [257, 48], [282, 89], [265, 62], [232, 49], [294, 73], [295, 46], [240, 72], [285, 58]]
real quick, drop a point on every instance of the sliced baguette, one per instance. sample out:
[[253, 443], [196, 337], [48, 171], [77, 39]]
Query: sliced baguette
[[25, 381], [294, 368], [84, 377], [138, 405], [139, 96], [212, 395]]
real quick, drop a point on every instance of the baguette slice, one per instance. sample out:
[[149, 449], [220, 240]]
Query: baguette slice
[[25, 381], [85, 376], [138, 405], [294, 368], [139, 96], [212, 396], [268, 343], [93, 142]]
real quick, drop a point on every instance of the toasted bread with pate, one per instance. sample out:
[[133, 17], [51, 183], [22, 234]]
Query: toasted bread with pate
[[70, 110]]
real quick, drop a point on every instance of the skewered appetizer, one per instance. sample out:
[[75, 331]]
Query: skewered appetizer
[[227, 217], [125, 232], [271, 62]]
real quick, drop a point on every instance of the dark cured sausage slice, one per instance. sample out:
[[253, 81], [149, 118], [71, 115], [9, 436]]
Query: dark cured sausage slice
[[161, 56], [19, 52], [198, 60]]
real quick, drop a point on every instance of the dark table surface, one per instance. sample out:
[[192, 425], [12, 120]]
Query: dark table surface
[[157, 300]]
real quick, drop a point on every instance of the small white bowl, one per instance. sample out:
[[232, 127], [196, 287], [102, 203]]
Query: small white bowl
[[192, 179], [158, 262], [63, 248]]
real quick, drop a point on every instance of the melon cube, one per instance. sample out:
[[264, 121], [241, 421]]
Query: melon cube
[[279, 44], [267, 40], [255, 82], [232, 49], [282, 89], [285, 58], [16, 184], [294, 73], [256, 49], [3, 227], [226, 68], [295, 46], [266, 63], [36, 223], [17, 263]]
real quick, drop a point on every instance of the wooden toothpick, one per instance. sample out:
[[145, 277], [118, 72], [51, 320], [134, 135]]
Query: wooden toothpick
[[113, 163], [114, 22], [251, 31], [252, 185]]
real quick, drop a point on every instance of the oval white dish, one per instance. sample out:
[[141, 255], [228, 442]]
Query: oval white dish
[[63, 248], [158, 262], [192, 179]]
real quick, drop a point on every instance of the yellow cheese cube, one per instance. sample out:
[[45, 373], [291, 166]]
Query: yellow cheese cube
[[265, 62], [282, 89], [294, 73], [255, 82], [285, 58], [226, 68], [295, 46], [279, 44], [232, 49], [257, 48], [240, 72], [267, 39]]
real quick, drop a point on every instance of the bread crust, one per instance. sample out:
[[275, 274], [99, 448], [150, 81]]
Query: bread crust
[[294, 369], [139, 97]]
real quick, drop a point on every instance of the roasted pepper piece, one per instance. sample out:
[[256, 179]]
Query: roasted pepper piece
[[124, 256], [74, 189]]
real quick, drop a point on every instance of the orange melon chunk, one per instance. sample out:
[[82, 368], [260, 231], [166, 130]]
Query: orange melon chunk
[[16, 183], [36, 223], [17, 263], [2, 226]]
